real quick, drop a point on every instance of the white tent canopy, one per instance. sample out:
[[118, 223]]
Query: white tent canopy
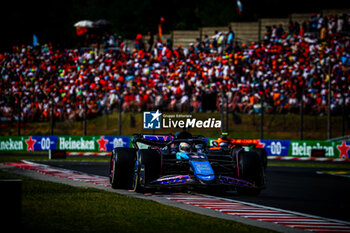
[[85, 24]]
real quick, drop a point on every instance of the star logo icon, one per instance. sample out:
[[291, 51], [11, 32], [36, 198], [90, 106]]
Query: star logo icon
[[151, 120], [343, 149], [30, 143], [102, 144], [155, 115]]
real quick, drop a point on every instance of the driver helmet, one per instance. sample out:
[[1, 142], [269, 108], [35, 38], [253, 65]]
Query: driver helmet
[[184, 147], [224, 136], [199, 147], [223, 144]]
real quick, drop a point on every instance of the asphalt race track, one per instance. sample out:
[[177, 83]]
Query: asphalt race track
[[289, 188]]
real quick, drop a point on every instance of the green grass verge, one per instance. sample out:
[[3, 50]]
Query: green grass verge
[[53, 207]]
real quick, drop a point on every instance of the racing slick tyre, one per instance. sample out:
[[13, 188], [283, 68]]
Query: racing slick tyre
[[121, 167], [235, 155], [250, 169], [147, 168], [235, 151], [262, 154]]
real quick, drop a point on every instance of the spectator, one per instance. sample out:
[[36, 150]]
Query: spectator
[[230, 40], [173, 79]]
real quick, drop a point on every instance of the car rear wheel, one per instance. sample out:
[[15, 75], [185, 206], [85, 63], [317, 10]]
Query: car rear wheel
[[262, 154], [121, 167], [250, 169], [146, 168]]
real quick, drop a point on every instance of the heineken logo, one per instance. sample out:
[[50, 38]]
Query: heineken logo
[[304, 149], [8, 145], [79, 144]]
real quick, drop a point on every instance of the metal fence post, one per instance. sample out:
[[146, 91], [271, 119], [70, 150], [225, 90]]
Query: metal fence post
[[222, 111], [120, 117], [343, 117], [329, 128], [19, 116], [262, 117], [301, 127], [52, 119], [85, 116], [226, 117]]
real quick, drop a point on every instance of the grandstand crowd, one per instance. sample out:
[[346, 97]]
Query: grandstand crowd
[[287, 66]]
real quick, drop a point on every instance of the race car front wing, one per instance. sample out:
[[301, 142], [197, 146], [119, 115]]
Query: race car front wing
[[179, 180]]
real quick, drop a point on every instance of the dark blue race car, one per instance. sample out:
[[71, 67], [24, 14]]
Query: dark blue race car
[[159, 162]]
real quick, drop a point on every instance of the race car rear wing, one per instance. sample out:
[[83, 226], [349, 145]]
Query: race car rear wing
[[152, 140], [166, 138], [161, 140], [154, 137]]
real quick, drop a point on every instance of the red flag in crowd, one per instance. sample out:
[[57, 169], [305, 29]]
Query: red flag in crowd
[[81, 31]]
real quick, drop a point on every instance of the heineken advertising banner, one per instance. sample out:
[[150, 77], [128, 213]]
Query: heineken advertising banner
[[69, 143], [339, 149], [332, 149], [12, 144]]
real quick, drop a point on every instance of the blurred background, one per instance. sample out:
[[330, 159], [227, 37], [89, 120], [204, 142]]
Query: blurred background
[[52, 21]]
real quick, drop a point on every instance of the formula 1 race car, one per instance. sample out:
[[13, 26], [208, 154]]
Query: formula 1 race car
[[184, 161], [224, 144]]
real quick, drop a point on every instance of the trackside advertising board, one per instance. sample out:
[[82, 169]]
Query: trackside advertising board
[[295, 148], [68, 143], [339, 149]]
